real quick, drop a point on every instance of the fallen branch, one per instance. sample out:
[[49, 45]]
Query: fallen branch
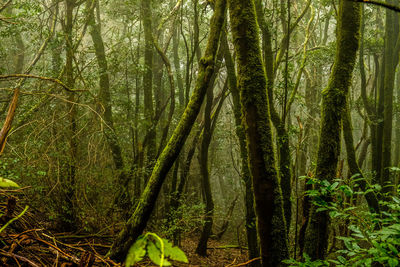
[[244, 263], [15, 256]]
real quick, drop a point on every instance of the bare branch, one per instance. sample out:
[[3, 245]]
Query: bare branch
[[5, 5], [3, 77]]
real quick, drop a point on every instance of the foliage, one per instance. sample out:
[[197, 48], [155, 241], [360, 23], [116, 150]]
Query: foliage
[[373, 238], [6, 183], [185, 219], [157, 249]]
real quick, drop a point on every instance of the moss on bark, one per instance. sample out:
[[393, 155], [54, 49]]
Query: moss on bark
[[333, 104], [256, 119], [354, 168], [251, 230]]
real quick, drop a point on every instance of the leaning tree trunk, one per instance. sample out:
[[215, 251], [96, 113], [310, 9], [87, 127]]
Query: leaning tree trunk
[[255, 111], [333, 104], [137, 222]]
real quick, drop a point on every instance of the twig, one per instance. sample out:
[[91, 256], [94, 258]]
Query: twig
[[15, 256], [4, 19], [5, 5], [2, 77], [245, 263], [64, 254]]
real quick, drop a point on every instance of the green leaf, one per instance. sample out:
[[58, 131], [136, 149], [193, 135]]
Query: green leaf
[[321, 209], [136, 252], [393, 262], [174, 253], [155, 255], [342, 259], [394, 169], [334, 185], [393, 249], [5, 183], [396, 199]]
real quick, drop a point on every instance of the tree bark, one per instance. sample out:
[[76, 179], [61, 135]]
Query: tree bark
[[251, 228], [255, 111], [146, 15], [354, 168], [333, 104], [284, 159], [123, 197], [391, 55]]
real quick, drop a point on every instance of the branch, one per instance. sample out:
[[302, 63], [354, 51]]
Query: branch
[[302, 64], [4, 19], [246, 263], [3, 77], [378, 3], [5, 5]]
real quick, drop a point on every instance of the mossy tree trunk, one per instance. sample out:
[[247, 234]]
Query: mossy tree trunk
[[391, 60], [204, 163], [284, 158], [252, 84], [138, 220], [122, 198], [146, 16], [251, 230], [333, 105], [354, 168], [69, 219]]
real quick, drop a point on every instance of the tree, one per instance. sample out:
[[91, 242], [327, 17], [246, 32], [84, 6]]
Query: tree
[[333, 104], [138, 220], [252, 83], [251, 231]]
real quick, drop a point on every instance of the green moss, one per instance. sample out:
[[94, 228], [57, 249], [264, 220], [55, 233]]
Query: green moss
[[333, 104], [257, 126]]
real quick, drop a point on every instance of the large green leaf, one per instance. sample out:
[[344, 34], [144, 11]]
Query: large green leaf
[[6, 183], [155, 255], [136, 252], [174, 253]]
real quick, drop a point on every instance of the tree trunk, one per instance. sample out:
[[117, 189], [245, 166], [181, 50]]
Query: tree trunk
[[391, 55], [251, 230], [146, 15], [354, 168], [285, 170], [333, 104], [68, 217], [138, 220], [123, 197], [255, 111]]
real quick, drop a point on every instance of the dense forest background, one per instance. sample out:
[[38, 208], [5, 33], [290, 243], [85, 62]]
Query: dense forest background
[[266, 127]]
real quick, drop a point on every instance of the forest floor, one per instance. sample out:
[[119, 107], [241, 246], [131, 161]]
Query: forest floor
[[25, 241], [219, 254]]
